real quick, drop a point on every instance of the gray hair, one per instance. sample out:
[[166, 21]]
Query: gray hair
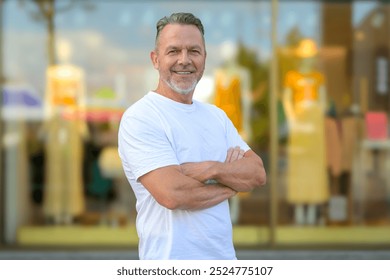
[[179, 18]]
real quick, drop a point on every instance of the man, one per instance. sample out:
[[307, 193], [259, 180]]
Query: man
[[184, 159]]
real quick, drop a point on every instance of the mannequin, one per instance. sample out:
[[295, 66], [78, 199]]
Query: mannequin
[[233, 96], [304, 103], [232, 89], [65, 130]]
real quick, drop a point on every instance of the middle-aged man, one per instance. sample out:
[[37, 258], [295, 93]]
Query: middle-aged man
[[184, 159]]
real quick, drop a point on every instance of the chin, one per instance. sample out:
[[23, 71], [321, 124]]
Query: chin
[[182, 91]]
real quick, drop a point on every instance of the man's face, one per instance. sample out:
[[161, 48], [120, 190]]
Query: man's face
[[180, 57]]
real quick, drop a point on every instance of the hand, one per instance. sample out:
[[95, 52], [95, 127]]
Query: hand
[[234, 154]]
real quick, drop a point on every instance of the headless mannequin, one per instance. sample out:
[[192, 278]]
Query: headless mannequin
[[237, 104], [304, 103], [65, 130], [233, 96]]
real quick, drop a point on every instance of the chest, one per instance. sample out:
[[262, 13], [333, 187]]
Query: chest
[[196, 137]]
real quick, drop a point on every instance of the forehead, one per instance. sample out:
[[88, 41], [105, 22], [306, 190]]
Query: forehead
[[182, 34]]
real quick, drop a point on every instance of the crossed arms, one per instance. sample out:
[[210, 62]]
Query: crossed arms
[[184, 186]]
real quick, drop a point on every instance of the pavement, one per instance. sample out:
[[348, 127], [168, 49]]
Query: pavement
[[17, 254]]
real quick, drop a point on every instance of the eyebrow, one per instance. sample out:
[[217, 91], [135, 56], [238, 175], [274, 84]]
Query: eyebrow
[[170, 47]]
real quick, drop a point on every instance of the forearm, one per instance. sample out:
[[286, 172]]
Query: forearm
[[199, 171], [174, 190], [206, 196], [191, 194], [242, 174]]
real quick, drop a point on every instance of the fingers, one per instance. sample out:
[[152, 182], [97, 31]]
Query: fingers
[[229, 155], [234, 154], [241, 154]]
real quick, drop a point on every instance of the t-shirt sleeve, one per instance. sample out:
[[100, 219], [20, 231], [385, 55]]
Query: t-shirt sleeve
[[143, 145]]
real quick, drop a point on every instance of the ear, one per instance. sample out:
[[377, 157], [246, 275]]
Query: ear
[[154, 59]]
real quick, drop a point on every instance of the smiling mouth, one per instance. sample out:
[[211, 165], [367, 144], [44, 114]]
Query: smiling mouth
[[183, 72]]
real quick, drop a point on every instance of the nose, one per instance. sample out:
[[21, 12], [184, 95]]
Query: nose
[[184, 58]]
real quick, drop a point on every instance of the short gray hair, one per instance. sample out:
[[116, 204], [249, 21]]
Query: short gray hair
[[179, 18]]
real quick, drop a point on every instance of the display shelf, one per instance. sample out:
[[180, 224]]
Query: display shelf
[[242, 235], [77, 235]]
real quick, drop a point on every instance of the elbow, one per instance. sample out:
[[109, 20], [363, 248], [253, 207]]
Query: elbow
[[169, 203], [262, 178], [261, 175], [258, 180], [174, 202]]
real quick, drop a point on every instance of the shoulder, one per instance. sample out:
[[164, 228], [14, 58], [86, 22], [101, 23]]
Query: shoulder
[[143, 107], [139, 114]]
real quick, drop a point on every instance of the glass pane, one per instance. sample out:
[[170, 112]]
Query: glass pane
[[304, 187], [333, 128], [371, 101], [71, 74], [69, 77]]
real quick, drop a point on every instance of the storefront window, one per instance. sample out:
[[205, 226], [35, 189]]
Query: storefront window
[[82, 66], [334, 131], [70, 74]]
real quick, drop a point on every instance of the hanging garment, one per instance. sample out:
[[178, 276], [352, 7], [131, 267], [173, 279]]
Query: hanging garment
[[228, 97], [307, 181]]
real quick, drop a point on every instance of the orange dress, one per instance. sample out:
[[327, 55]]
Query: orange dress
[[228, 90], [307, 181], [228, 97]]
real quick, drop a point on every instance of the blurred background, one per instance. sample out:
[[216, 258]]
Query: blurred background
[[306, 83]]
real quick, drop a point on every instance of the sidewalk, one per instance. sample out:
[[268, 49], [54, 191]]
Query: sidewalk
[[241, 255]]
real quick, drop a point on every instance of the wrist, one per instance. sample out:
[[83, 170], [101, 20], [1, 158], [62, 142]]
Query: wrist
[[213, 173], [211, 182]]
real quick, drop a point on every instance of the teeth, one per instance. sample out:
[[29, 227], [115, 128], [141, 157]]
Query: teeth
[[183, 73]]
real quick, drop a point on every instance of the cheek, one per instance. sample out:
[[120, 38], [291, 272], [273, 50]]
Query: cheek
[[201, 67], [201, 63]]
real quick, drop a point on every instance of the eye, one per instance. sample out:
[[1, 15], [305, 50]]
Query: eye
[[173, 51], [195, 51]]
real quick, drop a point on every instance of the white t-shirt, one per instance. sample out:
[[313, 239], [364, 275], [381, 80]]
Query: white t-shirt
[[156, 132]]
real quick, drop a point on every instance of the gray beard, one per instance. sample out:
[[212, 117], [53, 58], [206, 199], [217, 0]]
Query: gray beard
[[183, 91]]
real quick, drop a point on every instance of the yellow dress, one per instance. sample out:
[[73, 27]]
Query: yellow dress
[[64, 191], [65, 132], [307, 181]]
